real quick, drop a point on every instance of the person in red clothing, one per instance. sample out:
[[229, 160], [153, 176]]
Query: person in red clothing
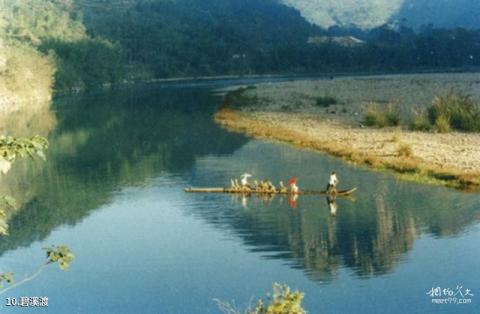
[[293, 185]]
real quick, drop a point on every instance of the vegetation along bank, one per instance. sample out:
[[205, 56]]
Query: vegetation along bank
[[424, 127]]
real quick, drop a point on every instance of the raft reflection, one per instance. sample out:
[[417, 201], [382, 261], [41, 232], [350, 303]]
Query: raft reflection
[[370, 236]]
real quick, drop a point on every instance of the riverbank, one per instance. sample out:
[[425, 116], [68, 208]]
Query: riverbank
[[288, 112]]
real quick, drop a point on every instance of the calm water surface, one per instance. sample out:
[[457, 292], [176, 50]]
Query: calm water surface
[[112, 189]]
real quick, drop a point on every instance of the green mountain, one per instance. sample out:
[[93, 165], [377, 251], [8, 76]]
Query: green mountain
[[191, 37], [34, 37], [78, 44], [164, 38], [26, 75]]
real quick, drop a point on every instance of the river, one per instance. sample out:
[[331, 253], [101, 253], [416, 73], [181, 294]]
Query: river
[[112, 190]]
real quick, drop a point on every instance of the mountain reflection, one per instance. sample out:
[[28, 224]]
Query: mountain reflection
[[107, 141], [104, 142], [369, 235]]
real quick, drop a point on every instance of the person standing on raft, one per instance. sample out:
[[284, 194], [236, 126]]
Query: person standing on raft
[[332, 183], [245, 186], [293, 185]]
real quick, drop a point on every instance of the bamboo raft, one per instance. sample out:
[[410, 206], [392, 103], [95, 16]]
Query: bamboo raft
[[301, 192]]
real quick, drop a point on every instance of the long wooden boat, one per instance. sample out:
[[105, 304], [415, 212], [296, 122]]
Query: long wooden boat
[[301, 192]]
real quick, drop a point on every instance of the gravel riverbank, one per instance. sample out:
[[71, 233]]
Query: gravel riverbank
[[286, 111]]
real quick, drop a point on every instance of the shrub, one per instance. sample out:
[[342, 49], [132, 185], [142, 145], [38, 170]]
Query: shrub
[[373, 116], [325, 101], [404, 150], [456, 108], [442, 124], [420, 122], [392, 116], [382, 117]]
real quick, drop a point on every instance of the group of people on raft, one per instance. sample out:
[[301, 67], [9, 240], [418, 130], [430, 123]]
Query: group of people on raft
[[267, 187]]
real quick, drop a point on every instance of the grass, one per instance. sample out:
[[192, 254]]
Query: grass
[[325, 101], [454, 111], [442, 124], [404, 150], [419, 121], [403, 163], [380, 117]]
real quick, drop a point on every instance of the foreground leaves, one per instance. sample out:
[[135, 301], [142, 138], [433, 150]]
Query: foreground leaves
[[60, 254], [55, 254], [12, 148], [6, 277], [283, 301]]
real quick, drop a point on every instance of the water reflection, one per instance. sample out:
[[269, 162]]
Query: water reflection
[[107, 141], [370, 235], [332, 204], [35, 117]]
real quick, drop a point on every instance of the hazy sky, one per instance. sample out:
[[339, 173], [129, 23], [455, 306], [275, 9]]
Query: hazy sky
[[373, 13], [364, 13]]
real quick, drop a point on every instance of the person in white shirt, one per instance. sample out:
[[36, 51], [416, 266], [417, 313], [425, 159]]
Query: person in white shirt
[[332, 181], [244, 179]]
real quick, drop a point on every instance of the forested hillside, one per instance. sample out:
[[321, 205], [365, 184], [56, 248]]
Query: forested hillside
[[34, 36], [162, 38], [89, 43], [192, 37]]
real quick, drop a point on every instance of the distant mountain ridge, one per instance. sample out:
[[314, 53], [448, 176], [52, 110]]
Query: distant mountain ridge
[[91, 43], [365, 14], [368, 14]]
